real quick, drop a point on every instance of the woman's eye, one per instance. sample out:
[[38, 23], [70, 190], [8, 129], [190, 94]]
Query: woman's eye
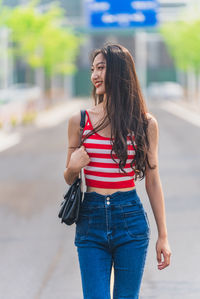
[[98, 68]]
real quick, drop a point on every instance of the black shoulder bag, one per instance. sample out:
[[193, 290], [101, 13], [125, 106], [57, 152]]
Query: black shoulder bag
[[69, 211]]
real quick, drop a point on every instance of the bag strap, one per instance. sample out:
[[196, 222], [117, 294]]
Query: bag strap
[[82, 123]]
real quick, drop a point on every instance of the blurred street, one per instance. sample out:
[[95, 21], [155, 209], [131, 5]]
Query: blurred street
[[38, 259]]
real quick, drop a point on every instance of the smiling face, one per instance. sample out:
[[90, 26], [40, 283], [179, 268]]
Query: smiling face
[[98, 75]]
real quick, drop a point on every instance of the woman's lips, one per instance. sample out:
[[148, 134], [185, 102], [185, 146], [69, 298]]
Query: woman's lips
[[98, 84]]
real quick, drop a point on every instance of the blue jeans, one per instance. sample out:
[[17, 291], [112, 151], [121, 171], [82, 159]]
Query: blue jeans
[[112, 229]]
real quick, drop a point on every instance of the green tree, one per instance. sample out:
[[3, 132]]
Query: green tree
[[41, 38], [183, 41]]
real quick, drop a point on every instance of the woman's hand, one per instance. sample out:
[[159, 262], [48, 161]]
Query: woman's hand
[[79, 159], [163, 253]]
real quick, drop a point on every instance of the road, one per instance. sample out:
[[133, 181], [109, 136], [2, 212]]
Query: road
[[37, 257]]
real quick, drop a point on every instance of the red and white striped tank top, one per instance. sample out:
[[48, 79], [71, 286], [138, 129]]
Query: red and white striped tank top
[[102, 171]]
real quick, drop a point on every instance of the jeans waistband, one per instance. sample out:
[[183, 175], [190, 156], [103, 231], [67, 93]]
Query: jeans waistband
[[118, 197]]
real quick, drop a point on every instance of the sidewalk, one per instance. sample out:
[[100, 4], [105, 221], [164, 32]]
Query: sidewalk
[[190, 112], [60, 112], [10, 136]]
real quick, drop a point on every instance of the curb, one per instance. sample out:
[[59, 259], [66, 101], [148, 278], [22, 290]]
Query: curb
[[60, 112], [182, 111], [53, 116]]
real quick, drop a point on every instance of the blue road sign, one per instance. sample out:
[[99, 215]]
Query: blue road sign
[[121, 13]]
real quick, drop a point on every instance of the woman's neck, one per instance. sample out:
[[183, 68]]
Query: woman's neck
[[102, 105]]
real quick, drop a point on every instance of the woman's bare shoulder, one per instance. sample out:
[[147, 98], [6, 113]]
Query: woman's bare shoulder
[[75, 119], [151, 119], [152, 125]]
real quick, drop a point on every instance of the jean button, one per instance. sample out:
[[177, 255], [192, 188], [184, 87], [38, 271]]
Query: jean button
[[107, 200]]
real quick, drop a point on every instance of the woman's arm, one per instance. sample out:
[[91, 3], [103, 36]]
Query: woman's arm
[[76, 157], [156, 197]]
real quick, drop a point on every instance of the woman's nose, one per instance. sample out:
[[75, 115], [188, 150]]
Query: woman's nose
[[94, 75]]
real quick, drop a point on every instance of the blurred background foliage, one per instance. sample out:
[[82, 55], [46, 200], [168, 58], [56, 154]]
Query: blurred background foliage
[[183, 41], [45, 47], [38, 58], [41, 38]]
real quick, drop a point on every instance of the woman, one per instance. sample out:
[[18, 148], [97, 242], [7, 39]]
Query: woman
[[119, 145]]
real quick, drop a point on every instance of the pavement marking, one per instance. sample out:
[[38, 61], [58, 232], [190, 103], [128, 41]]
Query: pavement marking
[[182, 112], [50, 270], [8, 140]]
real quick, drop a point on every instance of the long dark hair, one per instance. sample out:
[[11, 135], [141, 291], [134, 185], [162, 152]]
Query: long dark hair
[[125, 108]]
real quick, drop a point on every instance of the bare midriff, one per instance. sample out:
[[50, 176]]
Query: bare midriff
[[107, 191]]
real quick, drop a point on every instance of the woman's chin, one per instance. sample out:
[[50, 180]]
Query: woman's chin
[[99, 92]]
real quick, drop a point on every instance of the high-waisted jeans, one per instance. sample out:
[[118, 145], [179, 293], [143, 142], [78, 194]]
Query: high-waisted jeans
[[112, 230]]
